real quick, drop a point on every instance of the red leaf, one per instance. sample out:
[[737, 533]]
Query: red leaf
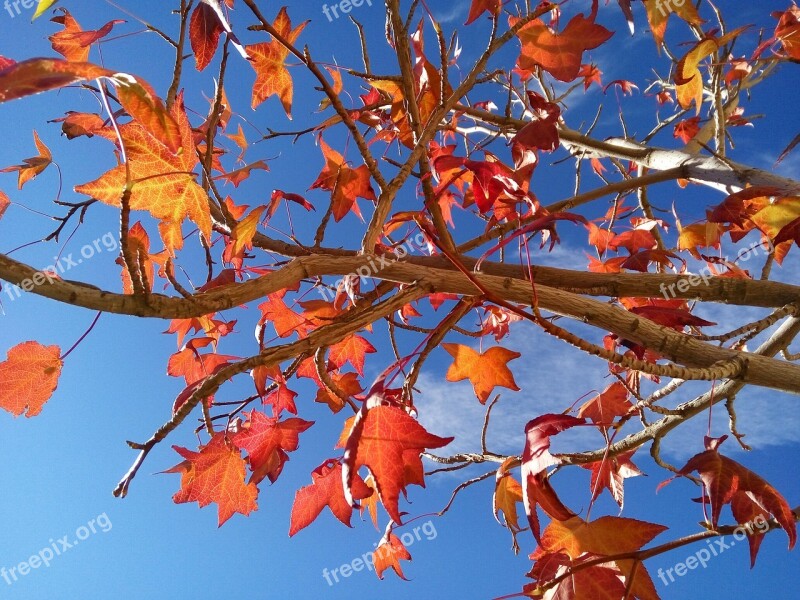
[[379, 439], [204, 31], [326, 490]]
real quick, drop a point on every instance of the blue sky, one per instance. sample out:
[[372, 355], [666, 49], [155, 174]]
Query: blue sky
[[58, 469]]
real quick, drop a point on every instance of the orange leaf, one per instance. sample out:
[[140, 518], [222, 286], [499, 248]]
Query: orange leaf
[[163, 182], [659, 11], [346, 183], [607, 406], [379, 439], [560, 54], [30, 376], [388, 554], [215, 474], [485, 371], [326, 490], [268, 58], [610, 473], [31, 167], [353, 349], [73, 43]]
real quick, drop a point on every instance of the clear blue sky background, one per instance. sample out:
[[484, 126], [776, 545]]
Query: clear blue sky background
[[58, 470]]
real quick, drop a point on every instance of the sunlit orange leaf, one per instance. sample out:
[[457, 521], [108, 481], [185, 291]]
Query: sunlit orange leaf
[[507, 493], [76, 124], [560, 54], [605, 407], [325, 490], [688, 78], [610, 474], [379, 439], [485, 371], [347, 383], [215, 474], [31, 167], [346, 183], [29, 376], [139, 245], [268, 58], [659, 11], [73, 43], [389, 554], [352, 349], [163, 182], [4, 203], [266, 441]]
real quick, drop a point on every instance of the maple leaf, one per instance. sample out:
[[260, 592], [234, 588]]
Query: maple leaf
[[31, 167], [352, 349], [285, 320], [192, 365], [788, 31], [560, 54], [507, 492], [541, 132], [73, 43], [606, 536], [380, 439], [347, 383], [268, 60], [722, 478], [687, 129], [485, 371], [326, 490], [346, 183], [162, 182], [688, 79], [76, 124], [30, 376], [605, 407], [139, 244], [610, 474], [5, 202], [204, 31], [389, 554], [478, 7], [267, 440], [791, 231], [536, 457], [215, 474], [659, 12]]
